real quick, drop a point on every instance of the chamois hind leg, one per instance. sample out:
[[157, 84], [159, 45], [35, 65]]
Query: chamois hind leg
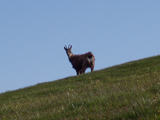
[[92, 67]]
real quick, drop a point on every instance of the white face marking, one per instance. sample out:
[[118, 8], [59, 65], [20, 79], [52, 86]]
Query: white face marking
[[70, 55]]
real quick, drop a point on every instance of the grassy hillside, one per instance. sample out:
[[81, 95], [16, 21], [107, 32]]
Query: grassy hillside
[[127, 91]]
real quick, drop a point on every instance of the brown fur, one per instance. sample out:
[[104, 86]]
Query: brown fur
[[80, 62]]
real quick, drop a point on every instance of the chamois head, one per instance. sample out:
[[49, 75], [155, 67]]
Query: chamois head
[[68, 50]]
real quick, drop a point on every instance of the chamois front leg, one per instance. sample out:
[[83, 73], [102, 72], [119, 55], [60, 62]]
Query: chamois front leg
[[77, 72], [83, 70]]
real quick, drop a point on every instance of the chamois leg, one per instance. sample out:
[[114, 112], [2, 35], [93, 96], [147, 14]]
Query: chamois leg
[[77, 72], [92, 67], [83, 71]]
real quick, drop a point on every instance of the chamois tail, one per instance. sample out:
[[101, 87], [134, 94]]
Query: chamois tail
[[90, 58]]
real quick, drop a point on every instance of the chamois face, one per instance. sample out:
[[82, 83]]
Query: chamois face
[[68, 50]]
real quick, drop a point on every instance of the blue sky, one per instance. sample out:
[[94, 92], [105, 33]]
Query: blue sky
[[33, 35]]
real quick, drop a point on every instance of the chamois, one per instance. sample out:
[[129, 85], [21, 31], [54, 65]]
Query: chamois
[[80, 62]]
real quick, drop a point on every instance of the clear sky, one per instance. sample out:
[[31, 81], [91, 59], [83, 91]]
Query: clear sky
[[33, 34]]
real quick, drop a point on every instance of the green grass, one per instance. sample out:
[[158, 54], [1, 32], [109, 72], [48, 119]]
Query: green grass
[[130, 91]]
